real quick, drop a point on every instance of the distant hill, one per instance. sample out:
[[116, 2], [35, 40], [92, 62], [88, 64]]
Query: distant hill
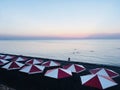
[[104, 36], [95, 36]]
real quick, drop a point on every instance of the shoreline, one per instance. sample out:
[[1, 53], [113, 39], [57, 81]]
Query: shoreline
[[43, 83], [60, 60]]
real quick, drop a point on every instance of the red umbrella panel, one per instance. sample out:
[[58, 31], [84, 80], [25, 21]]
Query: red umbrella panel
[[97, 81], [76, 68], [34, 61], [50, 64], [13, 65], [32, 69], [58, 73], [104, 72]]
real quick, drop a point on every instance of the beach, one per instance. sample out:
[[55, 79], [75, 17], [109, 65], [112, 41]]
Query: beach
[[23, 81], [59, 45]]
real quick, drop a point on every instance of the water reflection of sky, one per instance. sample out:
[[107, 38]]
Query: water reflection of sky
[[93, 51]]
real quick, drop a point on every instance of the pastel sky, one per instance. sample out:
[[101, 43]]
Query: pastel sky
[[59, 18]]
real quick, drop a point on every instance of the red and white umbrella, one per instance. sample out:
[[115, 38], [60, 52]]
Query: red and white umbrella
[[50, 64], [34, 61], [9, 57], [58, 73], [76, 68], [97, 81], [32, 69], [105, 72], [13, 65], [20, 58], [2, 56], [2, 61]]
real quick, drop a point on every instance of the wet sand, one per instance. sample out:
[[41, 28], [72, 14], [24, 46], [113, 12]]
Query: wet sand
[[22, 81]]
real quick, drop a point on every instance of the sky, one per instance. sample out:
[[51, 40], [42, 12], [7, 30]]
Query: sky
[[60, 18]]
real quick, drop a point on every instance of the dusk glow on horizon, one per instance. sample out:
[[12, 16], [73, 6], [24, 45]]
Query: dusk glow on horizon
[[59, 18]]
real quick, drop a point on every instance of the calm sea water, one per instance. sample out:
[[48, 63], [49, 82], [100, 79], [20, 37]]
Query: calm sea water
[[91, 51]]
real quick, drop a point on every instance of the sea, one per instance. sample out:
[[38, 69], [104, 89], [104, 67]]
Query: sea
[[91, 51]]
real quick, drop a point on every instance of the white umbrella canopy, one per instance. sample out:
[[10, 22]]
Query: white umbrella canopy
[[58, 73], [104, 72], [76, 68], [13, 65], [50, 64], [97, 81], [2, 61], [34, 61], [32, 69]]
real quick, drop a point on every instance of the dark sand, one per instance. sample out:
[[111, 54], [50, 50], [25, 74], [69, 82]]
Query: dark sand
[[22, 81], [3, 87]]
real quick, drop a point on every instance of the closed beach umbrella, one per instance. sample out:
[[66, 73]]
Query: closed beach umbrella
[[32, 69], [105, 72], [58, 73], [2, 61], [50, 63], [97, 81], [76, 68], [13, 65], [34, 61]]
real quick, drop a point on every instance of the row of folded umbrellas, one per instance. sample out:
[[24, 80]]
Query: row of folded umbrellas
[[100, 78]]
